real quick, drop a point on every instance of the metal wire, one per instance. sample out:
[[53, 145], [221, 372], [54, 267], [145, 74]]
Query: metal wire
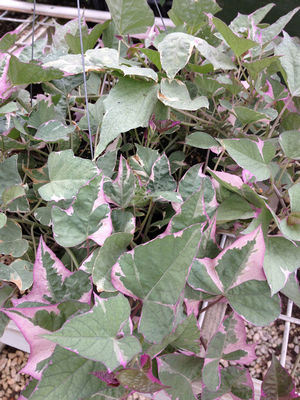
[[286, 334], [32, 45], [84, 80], [160, 15]]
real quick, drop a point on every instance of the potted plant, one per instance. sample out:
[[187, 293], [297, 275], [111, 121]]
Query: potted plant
[[119, 203]]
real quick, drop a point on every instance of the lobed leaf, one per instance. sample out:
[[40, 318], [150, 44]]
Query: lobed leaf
[[121, 191], [159, 286], [228, 343], [87, 218], [68, 376], [102, 334], [67, 174], [11, 242]]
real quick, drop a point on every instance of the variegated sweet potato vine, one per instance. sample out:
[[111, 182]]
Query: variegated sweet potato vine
[[195, 135]]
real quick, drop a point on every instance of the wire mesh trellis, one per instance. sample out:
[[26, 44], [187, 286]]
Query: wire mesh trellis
[[35, 32]]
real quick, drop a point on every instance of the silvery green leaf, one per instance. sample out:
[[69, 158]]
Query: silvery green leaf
[[289, 52], [129, 105], [97, 334], [175, 51], [53, 130], [11, 242], [18, 272], [67, 174], [130, 16], [87, 217], [68, 376], [176, 95], [170, 256]]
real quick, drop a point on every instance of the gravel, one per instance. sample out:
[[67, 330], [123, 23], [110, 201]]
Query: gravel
[[11, 381], [267, 339]]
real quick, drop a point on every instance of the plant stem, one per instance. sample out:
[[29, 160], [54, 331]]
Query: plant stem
[[278, 117], [73, 258], [211, 304]]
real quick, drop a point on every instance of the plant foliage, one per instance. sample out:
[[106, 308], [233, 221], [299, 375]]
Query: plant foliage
[[195, 132]]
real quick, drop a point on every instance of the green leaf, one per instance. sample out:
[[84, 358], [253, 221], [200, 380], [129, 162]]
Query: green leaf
[[254, 67], [12, 193], [67, 174], [96, 112], [161, 178], [252, 300], [89, 39], [196, 209], [86, 217], [7, 41], [193, 181], [185, 337], [170, 258], [269, 33], [237, 44], [142, 162], [21, 73], [153, 56], [289, 52], [215, 56], [107, 162], [233, 208], [253, 156], [235, 382], [43, 215], [11, 242], [102, 260], [242, 21], [292, 290], [9, 107], [95, 335], [281, 258], [68, 376], [138, 380], [3, 220], [175, 51], [129, 105], [201, 140], [199, 278], [42, 114], [277, 383], [228, 343], [109, 393], [192, 14], [130, 16], [9, 175], [18, 272], [53, 130], [179, 371], [121, 191], [290, 226], [176, 95], [290, 142], [123, 221], [248, 116]]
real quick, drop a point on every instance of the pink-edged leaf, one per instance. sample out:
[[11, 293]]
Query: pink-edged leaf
[[178, 371], [40, 348], [170, 256], [87, 218], [53, 282], [121, 191], [277, 383], [103, 334], [140, 380], [236, 384], [108, 377], [228, 343], [161, 178], [237, 263]]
